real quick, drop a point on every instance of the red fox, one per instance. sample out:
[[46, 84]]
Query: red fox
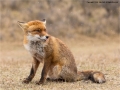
[[59, 63]]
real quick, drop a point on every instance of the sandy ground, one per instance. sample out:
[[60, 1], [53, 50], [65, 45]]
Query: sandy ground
[[15, 64]]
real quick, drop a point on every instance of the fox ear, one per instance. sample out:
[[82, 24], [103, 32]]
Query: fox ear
[[23, 25], [44, 21]]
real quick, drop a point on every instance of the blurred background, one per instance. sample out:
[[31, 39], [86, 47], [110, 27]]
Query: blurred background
[[71, 19]]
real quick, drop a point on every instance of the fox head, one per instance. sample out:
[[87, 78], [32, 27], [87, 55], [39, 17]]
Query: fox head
[[35, 30]]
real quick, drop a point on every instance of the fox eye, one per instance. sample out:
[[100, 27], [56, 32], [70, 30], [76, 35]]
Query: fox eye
[[37, 30], [44, 29]]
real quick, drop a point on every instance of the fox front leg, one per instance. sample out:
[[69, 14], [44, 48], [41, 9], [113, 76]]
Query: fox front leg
[[35, 65], [44, 73]]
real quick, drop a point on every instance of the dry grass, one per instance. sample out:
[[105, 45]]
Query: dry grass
[[15, 64]]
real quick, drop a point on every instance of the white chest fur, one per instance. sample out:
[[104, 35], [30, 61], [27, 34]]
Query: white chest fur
[[36, 49]]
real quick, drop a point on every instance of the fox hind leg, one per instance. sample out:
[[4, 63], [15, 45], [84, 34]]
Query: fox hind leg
[[54, 73]]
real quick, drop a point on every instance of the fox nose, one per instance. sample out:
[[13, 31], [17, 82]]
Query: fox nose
[[47, 37]]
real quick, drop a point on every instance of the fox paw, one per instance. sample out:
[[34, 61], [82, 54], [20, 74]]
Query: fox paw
[[39, 83], [26, 81]]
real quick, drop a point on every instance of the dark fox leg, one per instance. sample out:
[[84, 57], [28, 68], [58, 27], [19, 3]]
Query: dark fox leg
[[44, 73], [95, 76], [56, 80], [35, 65]]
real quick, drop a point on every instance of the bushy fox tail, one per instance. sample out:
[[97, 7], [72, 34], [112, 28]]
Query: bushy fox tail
[[95, 76]]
